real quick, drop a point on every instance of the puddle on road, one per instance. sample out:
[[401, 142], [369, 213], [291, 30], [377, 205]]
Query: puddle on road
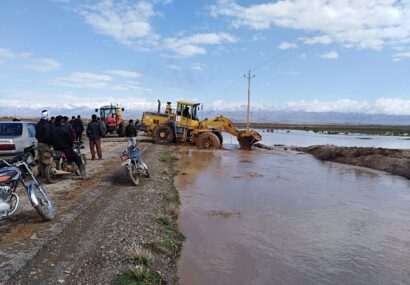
[[286, 218]]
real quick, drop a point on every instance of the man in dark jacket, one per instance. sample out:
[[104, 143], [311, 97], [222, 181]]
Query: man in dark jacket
[[131, 133], [79, 128], [94, 133], [43, 130], [72, 121], [62, 140]]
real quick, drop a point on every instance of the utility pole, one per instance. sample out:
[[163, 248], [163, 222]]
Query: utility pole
[[249, 77]]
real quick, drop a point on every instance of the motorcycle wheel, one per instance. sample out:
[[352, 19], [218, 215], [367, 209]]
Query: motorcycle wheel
[[48, 175], [45, 207], [133, 173]]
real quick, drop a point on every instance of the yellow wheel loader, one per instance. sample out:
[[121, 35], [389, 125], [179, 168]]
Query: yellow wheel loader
[[183, 125]]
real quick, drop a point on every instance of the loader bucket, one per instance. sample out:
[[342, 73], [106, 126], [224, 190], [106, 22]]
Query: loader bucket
[[248, 138]]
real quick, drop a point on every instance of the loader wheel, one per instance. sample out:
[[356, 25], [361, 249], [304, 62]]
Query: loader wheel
[[221, 140], [163, 134], [121, 130], [208, 140]]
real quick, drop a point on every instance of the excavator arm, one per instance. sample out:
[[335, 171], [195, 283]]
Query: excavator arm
[[246, 138]]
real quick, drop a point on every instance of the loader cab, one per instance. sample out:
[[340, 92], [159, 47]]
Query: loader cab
[[187, 113]]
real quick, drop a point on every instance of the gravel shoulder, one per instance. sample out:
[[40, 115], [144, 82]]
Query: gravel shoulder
[[106, 232]]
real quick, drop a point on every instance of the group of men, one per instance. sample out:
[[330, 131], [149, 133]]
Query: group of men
[[60, 134]]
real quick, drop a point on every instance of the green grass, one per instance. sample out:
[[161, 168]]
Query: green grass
[[166, 157], [170, 243], [142, 256], [172, 196], [139, 276]]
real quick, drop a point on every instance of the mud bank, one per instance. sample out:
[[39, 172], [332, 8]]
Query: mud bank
[[393, 161]]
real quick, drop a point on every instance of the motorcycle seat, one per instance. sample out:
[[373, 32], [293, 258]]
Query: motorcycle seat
[[58, 154]]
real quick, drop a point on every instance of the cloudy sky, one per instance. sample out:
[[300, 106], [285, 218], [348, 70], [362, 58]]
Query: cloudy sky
[[310, 55]]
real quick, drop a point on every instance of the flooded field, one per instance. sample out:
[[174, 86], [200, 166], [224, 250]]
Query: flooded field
[[305, 138], [281, 217]]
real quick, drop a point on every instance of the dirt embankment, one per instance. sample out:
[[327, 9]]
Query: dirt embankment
[[393, 161], [107, 231]]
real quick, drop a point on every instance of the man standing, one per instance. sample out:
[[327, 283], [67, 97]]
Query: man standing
[[72, 121], [43, 137], [94, 133], [131, 133], [79, 128], [62, 140], [168, 108]]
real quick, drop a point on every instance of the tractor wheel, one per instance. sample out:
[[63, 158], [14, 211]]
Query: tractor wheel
[[221, 140], [208, 140], [121, 130], [163, 134]]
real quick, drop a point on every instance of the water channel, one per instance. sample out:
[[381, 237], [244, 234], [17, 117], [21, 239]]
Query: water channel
[[282, 217]]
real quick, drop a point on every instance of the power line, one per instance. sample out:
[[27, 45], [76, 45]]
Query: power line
[[335, 21], [311, 47], [323, 30]]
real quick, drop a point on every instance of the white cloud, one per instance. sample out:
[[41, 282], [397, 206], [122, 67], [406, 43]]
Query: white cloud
[[173, 66], [124, 73], [330, 55], [43, 65], [387, 106], [401, 55], [130, 24], [324, 40], [372, 25], [258, 37], [85, 80], [8, 54], [127, 22], [197, 66], [286, 45], [25, 101], [25, 60], [118, 80], [193, 45]]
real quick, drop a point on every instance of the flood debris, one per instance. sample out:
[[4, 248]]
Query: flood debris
[[393, 161]]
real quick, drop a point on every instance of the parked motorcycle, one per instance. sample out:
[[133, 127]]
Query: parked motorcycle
[[57, 163], [134, 164], [13, 173]]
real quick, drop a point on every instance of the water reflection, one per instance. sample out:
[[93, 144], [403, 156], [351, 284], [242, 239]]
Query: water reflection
[[285, 218], [305, 138]]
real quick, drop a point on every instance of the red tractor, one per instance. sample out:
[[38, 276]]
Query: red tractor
[[112, 118]]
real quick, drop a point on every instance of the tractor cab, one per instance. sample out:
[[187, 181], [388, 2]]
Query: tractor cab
[[112, 117], [187, 113]]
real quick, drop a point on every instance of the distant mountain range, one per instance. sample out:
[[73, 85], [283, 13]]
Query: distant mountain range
[[262, 116]]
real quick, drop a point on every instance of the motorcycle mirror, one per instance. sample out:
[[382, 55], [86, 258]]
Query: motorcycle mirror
[[96, 110], [122, 109]]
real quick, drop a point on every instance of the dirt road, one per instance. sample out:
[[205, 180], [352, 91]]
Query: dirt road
[[102, 223]]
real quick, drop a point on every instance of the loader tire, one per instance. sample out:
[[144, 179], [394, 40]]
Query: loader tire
[[121, 130], [221, 140], [163, 134], [208, 140]]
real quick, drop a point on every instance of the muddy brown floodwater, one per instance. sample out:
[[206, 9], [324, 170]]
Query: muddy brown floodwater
[[281, 217]]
